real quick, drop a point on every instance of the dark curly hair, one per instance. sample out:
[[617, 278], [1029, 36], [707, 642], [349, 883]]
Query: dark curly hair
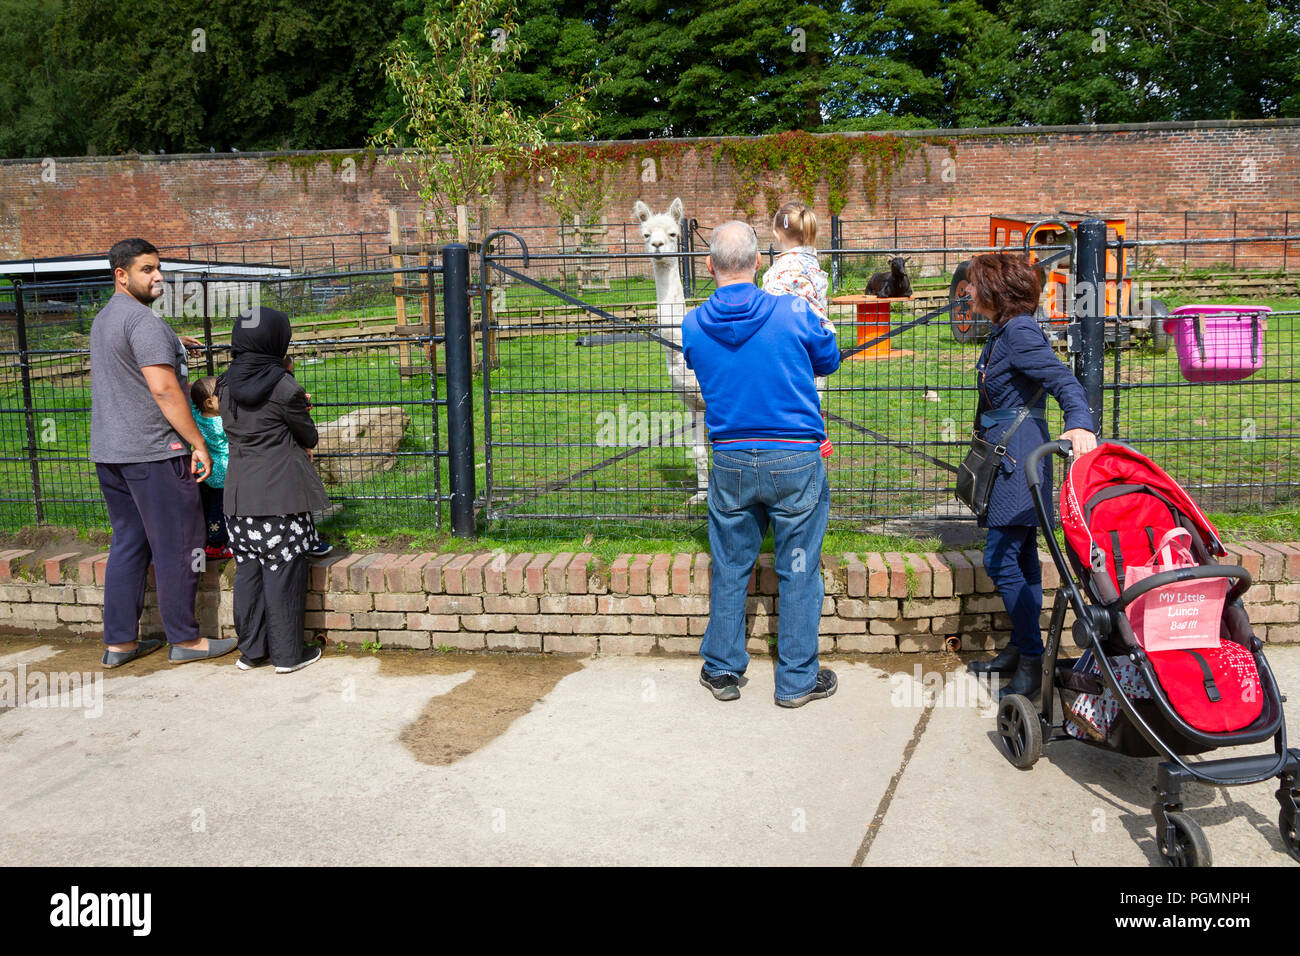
[[1007, 284], [202, 389]]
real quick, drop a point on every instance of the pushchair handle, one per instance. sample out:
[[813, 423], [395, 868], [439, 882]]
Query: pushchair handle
[[1159, 580], [1060, 447]]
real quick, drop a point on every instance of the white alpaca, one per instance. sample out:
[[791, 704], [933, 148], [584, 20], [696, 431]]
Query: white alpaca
[[662, 233]]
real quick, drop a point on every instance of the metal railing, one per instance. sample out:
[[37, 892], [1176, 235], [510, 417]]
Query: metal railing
[[374, 386], [581, 419]]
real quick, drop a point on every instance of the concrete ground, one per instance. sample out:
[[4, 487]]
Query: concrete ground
[[617, 760]]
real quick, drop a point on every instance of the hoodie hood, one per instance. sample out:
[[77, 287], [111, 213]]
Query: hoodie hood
[[735, 312]]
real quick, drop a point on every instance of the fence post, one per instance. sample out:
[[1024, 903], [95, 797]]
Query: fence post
[[1090, 310], [835, 256], [207, 325], [24, 359], [460, 398], [684, 264]]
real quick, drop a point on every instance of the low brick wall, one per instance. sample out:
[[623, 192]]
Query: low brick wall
[[575, 604]]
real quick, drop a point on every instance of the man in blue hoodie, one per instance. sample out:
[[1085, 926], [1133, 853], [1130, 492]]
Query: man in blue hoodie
[[755, 356]]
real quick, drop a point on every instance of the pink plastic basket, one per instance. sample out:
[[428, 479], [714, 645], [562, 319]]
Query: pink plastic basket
[[1218, 343]]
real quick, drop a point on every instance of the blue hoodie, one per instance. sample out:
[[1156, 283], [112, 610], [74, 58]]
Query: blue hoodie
[[755, 356]]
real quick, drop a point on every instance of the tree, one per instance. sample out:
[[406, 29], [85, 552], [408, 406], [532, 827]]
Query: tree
[[190, 75], [38, 115], [1119, 61], [463, 133]]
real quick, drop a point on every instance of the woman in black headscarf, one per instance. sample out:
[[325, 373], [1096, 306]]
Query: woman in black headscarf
[[271, 491]]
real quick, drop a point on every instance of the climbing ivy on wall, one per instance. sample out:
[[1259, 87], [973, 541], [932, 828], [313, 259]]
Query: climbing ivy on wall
[[585, 176], [601, 165], [805, 161], [303, 165]]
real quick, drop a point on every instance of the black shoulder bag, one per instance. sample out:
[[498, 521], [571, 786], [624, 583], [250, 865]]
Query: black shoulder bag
[[976, 473]]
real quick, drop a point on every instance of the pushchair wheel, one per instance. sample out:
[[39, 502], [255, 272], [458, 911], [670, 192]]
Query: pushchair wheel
[[1290, 839], [1190, 848], [1020, 735]]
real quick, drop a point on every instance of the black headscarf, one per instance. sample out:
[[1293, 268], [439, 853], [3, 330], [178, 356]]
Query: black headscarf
[[258, 346]]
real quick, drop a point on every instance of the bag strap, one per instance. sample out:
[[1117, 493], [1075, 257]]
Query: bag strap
[[1118, 554], [1211, 689], [1167, 539], [1028, 406], [1020, 419]]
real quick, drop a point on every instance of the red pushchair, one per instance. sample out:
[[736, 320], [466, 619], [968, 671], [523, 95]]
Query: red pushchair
[[1116, 504]]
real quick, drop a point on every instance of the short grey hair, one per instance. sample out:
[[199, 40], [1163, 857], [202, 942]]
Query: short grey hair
[[734, 248]]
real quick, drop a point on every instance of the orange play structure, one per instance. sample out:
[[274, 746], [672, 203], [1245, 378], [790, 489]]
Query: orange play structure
[[1010, 233]]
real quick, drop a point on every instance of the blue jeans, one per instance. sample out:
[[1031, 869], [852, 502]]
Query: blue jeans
[[748, 490], [1011, 559]]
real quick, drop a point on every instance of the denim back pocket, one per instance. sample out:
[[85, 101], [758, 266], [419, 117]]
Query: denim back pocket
[[796, 489], [724, 488]]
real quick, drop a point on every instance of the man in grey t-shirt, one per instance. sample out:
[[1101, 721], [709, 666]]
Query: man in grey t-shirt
[[141, 431], [126, 424]]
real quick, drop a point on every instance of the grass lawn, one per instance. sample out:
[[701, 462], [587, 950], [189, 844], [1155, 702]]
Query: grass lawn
[[551, 399]]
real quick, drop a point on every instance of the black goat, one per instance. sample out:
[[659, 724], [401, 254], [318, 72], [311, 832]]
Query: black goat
[[891, 284]]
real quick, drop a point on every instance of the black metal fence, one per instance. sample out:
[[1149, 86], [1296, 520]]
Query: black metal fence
[[583, 419], [1182, 233], [1212, 395], [322, 252], [370, 367]]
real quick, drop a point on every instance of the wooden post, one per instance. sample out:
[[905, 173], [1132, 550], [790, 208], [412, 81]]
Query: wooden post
[[395, 239]]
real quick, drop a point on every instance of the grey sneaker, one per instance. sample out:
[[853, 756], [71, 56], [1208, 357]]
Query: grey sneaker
[[216, 647], [825, 686], [724, 686]]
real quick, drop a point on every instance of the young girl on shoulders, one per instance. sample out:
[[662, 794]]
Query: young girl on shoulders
[[796, 271]]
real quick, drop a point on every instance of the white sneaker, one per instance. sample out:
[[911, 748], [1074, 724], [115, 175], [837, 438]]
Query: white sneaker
[[313, 655]]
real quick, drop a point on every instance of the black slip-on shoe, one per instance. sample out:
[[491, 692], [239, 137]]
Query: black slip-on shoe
[[252, 663], [724, 686], [313, 655], [826, 685], [118, 658]]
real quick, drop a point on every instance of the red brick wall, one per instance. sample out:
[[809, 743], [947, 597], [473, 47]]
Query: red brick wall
[[576, 604], [176, 200]]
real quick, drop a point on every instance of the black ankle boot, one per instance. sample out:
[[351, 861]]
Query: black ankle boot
[[1004, 663], [1028, 680]]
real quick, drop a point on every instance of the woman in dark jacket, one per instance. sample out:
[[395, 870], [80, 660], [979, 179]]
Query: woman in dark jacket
[[1017, 368], [271, 491]]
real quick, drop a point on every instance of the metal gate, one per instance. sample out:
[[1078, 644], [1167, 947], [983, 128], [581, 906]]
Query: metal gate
[[582, 420], [385, 473]]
